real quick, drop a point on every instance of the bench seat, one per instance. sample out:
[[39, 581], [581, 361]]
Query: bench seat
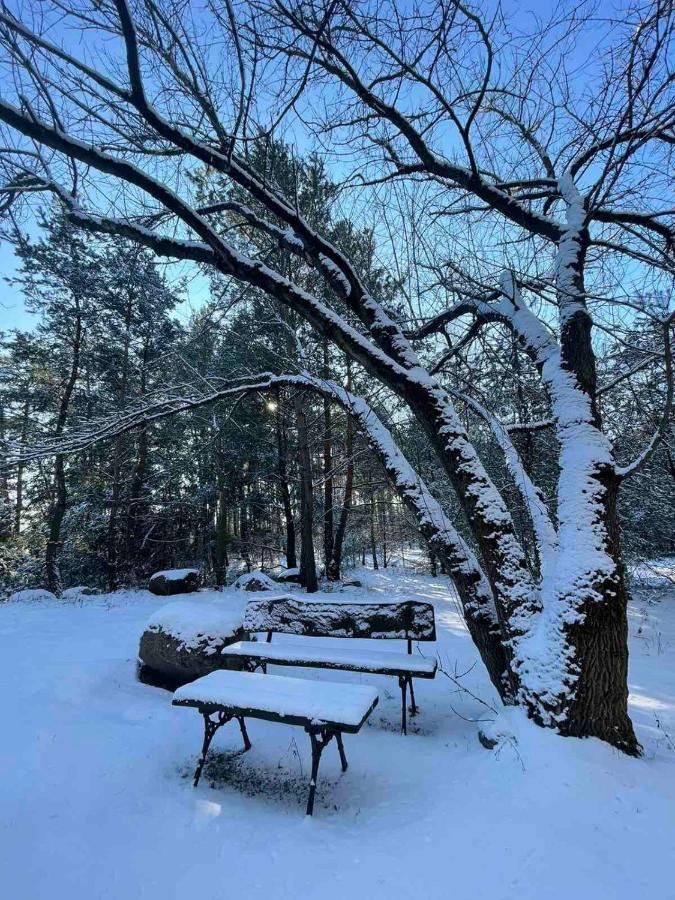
[[296, 701], [375, 662]]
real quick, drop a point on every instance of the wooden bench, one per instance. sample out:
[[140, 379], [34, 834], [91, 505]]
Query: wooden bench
[[407, 620], [324, 709]]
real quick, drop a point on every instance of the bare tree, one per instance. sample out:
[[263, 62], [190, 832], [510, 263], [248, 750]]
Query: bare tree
[[555, 186]]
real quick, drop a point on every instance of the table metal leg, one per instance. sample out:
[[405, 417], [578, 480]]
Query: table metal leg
[[210, 728]]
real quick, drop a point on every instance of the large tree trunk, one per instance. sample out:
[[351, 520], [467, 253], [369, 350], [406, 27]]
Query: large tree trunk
[[591, 580], [599, 704]]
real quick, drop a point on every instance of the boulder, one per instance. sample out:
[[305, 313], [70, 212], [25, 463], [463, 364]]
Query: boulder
[[254, 581], [175, 581], [183, 640], [287, 576]]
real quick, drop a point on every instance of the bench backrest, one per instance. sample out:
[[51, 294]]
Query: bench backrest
[[407, 619]]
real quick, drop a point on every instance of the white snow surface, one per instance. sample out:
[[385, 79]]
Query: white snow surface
[[203, 619], [319, 701], [312, 653], [97, 800]]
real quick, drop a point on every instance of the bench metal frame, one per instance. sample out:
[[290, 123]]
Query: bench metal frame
[[408, 620], [320, 734], [405, 680]]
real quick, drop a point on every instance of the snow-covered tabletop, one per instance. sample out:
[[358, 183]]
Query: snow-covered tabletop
[[343, 705]]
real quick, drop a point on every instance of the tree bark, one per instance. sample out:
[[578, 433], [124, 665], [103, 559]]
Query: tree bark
[[328, 524], [284, 487], [58, 508], [307, 560], [116, 493], [373, 544], [335, 564], [18, 509], [597, 637]]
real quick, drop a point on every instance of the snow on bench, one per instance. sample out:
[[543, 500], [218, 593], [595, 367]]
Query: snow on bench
[[324, 709], [377, 662], [297, 701], [408, 620], [405, 620]]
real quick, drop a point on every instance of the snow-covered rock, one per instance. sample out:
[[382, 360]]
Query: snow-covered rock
[[182, 640], [175, 581], [254, 581], [286, 575]]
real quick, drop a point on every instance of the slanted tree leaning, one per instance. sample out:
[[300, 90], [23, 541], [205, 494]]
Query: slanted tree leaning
[[552, 635]]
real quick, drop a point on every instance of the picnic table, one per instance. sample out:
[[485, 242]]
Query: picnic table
[[324, 709]]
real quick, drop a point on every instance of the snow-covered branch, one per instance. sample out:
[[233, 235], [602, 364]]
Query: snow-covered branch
[[545, 533]]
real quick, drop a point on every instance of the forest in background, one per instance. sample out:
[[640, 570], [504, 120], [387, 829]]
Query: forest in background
[[473, 261], [269, 480]]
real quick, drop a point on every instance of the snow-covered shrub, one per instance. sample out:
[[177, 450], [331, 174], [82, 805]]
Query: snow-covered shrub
[[32, 595]]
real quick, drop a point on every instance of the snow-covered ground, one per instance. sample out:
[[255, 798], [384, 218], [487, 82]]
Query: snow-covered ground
[[96, 799]]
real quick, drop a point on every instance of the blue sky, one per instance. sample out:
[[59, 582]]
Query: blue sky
[[12, 310]]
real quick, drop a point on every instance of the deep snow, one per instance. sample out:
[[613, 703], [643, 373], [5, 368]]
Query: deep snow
[[96, 798]]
